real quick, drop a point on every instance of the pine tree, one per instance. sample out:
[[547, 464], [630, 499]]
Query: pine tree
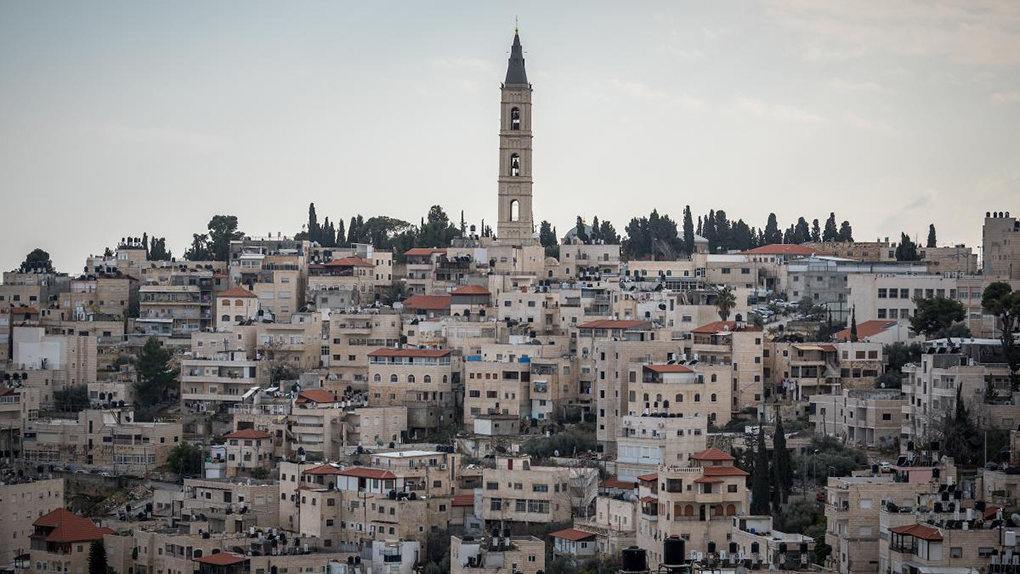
[[816, 231], [688, 231], [907, 249], [783, 462], [760, 478], [846, 233], [341, 234], [853, 325], [801, 232], [931, 236], [772, 233], [831, 232], [97, 557], [595, 236], [608, 234]]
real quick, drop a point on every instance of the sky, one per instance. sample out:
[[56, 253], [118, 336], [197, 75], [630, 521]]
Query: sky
[[118, 118]]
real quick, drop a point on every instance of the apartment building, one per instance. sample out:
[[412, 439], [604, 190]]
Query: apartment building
[[70, 359], [296, 342], [976, 368], [890, 296], [578, 261], [108, 439], [950, 546], [738, 348], [111, 393], [866, 418], [18, 406], [648, 440], [949, 260], [1000, 246], [177, 298], [756, 539], [352, 336], [678, 390], [872, 251], [248, 450], [852, 517], [32, 289], [99, 295], [229, 505], [516, 491], [236, 305], [420, 379], [25, 501], [694, 501], [219, 378], [485, 555], [496, 388], [60, 542]]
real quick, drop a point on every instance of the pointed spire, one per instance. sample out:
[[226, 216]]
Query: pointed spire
[[515, 73]]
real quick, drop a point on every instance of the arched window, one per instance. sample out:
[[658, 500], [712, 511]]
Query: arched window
[[410, 378], [697, 398], [515, 119], [444, 378], [225, 318], [713, 377], [427, 378], [238, 303], [689, 510], [394, 379], [665, 404], [238, 318], [646, 397], [515, 165], [679, 398], [658, 398], [713, 397], [731, 510], [378, 378], [515, 210]]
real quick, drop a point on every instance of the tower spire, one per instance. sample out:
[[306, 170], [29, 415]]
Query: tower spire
[[515, 73]]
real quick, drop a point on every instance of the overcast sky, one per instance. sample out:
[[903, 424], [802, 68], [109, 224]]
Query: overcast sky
[[118, 118]]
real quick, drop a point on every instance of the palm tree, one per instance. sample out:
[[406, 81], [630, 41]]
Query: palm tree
[[724, 302]]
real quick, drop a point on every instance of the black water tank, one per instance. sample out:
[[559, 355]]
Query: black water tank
[[633, 559], [674, 552]]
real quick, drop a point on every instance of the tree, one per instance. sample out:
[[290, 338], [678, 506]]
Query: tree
[[688, 231], [907, 249], [608, 234], [816, 231], [760, 478], [931, 236], [156, 377], [341, 234], [831, 233], [71, 399], [725, 300], [801, 233], [158, 250], [97, 557], [580, 232], [959, 437], [772, 233], [186, 459], [1003, 303], [222, 230], [314, 233], [595, 237], [199, 250], [396, 293], [547, 238], [846, 233], [853, 325], [935, 315], [37, 260], [781, 460]]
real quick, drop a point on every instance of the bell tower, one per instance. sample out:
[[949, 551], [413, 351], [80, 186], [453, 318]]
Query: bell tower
[[515, 225]]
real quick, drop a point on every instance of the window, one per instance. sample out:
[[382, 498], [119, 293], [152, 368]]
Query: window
[[731, 488], [515, 165], [515, 212], [886, 416], [515, 119]]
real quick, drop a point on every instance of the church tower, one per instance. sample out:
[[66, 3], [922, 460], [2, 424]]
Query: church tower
[[515, 225]]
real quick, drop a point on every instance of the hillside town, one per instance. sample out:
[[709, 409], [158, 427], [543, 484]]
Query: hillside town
[[385, 397]]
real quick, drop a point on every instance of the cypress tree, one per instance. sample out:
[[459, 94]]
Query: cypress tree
[[97, 557], [760, 478], [931, 236], [853, 325], [783, 462], [688, 231]]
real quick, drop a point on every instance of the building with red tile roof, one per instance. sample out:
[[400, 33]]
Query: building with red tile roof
[[236, 291], [247, 434], [316, 396], [866, 330]]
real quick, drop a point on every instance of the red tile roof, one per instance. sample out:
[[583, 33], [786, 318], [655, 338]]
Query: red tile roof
[[325, 469], [237, 291], [471, 290], [24, 310], [572, 534], [707, 480], [248, 434], [222, 559], [652, 477], [613, 324], [712, 454], [350, 262], [918, 531], [419, 251], [722, 326], [428, 302], [426, 353], [723, 471], [668, 369], [866, 329], [828, 348], [990, 511], [464, 500], [316, 396], [783, 249], [362, 472], [647, 499], [69, 527]]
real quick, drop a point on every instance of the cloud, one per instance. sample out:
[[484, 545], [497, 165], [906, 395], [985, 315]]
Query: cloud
[[865, 87], [870, 125], [1007, 97], [971, 32], [647, 93], [778, 112]]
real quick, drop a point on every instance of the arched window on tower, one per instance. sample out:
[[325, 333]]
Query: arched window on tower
[[515, 165], [515, 210], [515, 119]]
